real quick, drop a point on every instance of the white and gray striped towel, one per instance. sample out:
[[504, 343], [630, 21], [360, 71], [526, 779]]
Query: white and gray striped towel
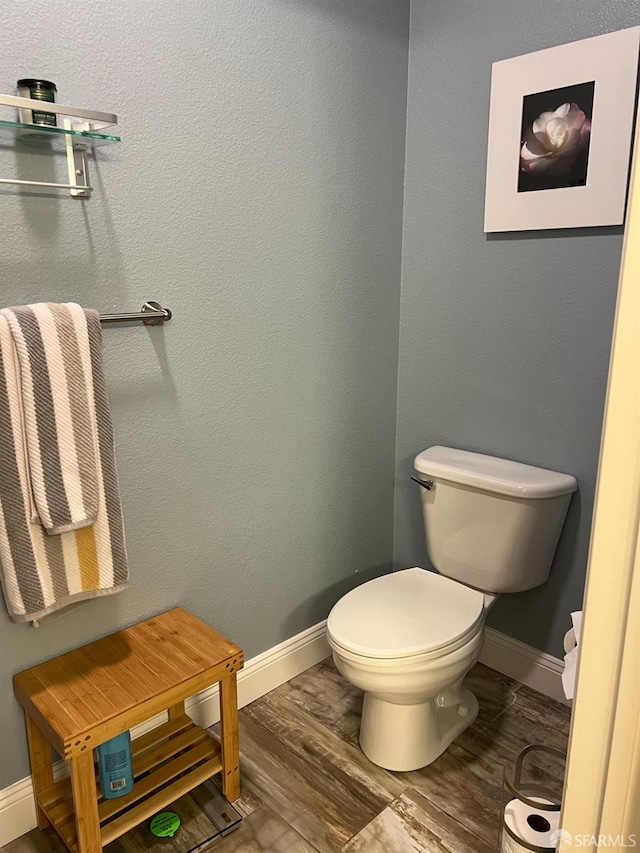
[[61, 530]]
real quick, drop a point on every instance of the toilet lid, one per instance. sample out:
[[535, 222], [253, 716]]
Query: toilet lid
[[404, 613]]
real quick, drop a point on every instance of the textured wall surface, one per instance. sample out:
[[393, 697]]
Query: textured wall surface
[[504, 339], [254, 432]]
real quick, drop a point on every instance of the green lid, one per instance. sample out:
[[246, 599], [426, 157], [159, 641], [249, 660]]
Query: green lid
[[165, 824]]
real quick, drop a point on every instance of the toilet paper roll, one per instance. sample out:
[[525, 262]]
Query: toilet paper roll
[[537, 828], [571, 647]]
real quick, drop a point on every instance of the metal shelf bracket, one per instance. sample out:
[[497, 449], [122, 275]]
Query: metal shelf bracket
[[77, 165]]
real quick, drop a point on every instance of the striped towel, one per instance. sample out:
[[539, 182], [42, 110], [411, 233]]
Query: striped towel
[[61, 531], [54, 364]]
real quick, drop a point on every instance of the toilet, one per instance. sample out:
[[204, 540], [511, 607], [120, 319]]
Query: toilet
[[408, 639]]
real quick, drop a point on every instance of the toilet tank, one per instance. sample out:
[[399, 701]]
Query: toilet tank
[[490, 523]]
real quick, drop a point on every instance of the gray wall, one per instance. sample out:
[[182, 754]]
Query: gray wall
[[504, 340], [255, 432]]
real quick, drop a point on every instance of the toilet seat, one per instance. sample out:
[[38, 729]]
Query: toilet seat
[[409, 614], [418, 660]]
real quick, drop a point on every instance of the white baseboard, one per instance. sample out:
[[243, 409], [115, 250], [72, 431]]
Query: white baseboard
[[523, 663], [260, 675], [271, 669]]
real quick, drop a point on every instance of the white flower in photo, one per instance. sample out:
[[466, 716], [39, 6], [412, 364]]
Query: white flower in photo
[[554, 141]]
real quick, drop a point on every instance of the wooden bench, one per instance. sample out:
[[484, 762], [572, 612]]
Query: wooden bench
[[89, 695]]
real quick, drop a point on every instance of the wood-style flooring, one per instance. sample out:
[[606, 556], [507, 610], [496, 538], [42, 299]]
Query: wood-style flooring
[[307, 787]]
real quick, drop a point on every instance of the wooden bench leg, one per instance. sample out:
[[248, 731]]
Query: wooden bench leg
[[85, 800], [229, 737], [176, 711], [41, 766]]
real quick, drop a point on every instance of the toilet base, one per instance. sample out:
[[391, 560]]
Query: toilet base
[[408, 737]]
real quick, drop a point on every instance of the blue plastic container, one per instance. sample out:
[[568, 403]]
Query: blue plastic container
[[115, 766]]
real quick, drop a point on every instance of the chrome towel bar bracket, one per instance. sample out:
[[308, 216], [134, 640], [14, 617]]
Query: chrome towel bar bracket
[[151, 314]]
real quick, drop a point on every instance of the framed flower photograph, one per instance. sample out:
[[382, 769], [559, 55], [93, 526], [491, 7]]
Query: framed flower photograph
[[560, 130]]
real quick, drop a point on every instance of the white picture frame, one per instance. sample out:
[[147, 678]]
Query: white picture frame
[[607, 67]]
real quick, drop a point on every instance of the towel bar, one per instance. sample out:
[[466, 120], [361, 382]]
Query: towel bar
[[151, 314]]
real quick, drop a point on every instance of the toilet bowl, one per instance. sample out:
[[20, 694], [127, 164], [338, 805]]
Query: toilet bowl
[[408, 639]]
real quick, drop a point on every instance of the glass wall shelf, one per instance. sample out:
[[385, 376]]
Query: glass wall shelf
[[76, 133], [35, 134]]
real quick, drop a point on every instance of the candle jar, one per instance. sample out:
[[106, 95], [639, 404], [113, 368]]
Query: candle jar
[[38, 90]]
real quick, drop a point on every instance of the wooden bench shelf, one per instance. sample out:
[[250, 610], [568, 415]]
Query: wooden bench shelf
[[168, 762]]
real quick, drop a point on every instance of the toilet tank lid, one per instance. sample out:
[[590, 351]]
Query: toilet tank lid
[[493, 474]]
